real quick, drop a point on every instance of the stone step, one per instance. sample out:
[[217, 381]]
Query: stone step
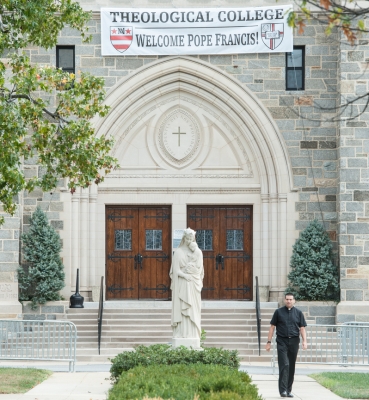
[[163, 332], [110, 351], [247, 317], [204, 321], [232, 328], [79, 311], [166, 338], [132, 344], [165, 327], [106, 358], [165, 305]]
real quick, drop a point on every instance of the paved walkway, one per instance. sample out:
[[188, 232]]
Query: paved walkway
[[66, 386], [92, 382], [304, 388]]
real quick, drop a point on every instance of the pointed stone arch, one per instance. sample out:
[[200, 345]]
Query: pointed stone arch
[[192, 75], [134, 97]]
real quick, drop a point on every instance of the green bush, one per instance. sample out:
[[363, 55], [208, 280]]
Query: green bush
[[313, 275], [44, 277], [164, 354], [184, 382]]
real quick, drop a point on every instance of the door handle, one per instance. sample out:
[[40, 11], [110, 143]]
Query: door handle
[[219, 260], [138, 260]]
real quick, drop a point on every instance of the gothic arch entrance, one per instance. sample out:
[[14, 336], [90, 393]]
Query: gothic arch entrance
[[187, 133]]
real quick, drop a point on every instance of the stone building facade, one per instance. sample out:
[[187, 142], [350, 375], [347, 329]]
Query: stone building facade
[[287, 161]]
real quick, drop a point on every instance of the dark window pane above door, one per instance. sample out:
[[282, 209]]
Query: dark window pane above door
[[65, 58], [153, 239], [123, 239], [204, 239], [234, 239]]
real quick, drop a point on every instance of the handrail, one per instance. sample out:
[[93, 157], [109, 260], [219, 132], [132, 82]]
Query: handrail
[[100, 314], [258, 314]]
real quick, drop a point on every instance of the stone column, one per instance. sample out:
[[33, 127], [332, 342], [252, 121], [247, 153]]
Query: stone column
[[282, 232], [265, 272], [84, 240], [74, 234], [94, 281], [273, 244], [353, 196], [92, 230]]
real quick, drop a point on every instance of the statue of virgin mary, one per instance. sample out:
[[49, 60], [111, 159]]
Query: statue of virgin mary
[[187, 274]]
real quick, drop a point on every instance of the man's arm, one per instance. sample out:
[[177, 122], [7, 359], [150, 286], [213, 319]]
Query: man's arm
[[270, 336], [303, 335]]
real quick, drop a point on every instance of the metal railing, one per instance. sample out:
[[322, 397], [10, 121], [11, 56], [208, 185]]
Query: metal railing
[[258, 314], [100, 314], [38, 340], [334, 344]]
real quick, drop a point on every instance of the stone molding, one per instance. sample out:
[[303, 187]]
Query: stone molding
[[112, 190], [209, 83], [180, 176], [162, 140]]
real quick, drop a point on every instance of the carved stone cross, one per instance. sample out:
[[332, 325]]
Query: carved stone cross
[[179, 133]]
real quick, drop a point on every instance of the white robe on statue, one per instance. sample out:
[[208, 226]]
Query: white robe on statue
[[186, 295]]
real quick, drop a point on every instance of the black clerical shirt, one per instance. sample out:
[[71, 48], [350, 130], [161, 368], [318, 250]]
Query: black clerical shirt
[[288, 322]]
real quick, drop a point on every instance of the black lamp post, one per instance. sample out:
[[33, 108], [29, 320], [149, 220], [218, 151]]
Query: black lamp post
[[76, 300]]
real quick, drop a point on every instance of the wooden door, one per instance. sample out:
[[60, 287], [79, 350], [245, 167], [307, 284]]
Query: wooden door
[[224, 234], [138, 252]]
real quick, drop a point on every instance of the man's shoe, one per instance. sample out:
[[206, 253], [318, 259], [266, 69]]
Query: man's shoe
[[289, 394], [284, 394]]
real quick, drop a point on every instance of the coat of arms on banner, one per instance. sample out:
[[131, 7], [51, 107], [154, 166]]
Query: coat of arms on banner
[[272, 35], [121, 37]]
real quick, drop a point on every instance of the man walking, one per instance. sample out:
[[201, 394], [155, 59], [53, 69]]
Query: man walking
[[290, 323]]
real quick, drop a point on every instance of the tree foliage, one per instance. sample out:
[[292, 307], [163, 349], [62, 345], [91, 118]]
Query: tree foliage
[[349, 16], [313, 275], [45, 113], [45, 276]]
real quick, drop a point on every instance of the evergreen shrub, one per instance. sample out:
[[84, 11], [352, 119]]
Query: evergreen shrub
[[44, 277], [313, 275], [184, 382], [163, 354]]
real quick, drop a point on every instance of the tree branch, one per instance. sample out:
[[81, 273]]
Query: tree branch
[[46, 111]]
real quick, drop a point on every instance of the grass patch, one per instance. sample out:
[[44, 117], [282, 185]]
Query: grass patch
[[184, 382], [348, 385], [21, 380]]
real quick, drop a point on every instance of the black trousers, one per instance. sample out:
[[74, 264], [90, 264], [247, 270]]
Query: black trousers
[[287, 354]]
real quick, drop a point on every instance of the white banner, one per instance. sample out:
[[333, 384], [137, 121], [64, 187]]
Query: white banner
[[181, 31]]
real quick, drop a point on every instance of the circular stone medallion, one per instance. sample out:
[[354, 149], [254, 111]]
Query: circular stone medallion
[[179, 136]]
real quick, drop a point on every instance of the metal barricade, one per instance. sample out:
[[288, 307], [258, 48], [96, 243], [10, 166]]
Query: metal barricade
[[38, 340], [346, 344]]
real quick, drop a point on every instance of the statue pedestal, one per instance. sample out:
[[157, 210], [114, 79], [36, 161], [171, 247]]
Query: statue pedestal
[[193, 343]]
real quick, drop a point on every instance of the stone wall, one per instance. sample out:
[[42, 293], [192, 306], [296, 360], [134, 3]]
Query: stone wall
[[353, 201], [52, 310], [318, 312], [9, 263], [311, 143]]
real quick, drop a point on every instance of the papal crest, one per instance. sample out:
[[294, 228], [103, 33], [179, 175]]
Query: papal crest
[[121, 37], [272, 35]]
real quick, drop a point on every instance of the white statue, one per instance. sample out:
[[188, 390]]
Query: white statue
[[187, 274]]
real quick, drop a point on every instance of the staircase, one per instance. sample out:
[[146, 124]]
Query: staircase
[[231, 326]]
